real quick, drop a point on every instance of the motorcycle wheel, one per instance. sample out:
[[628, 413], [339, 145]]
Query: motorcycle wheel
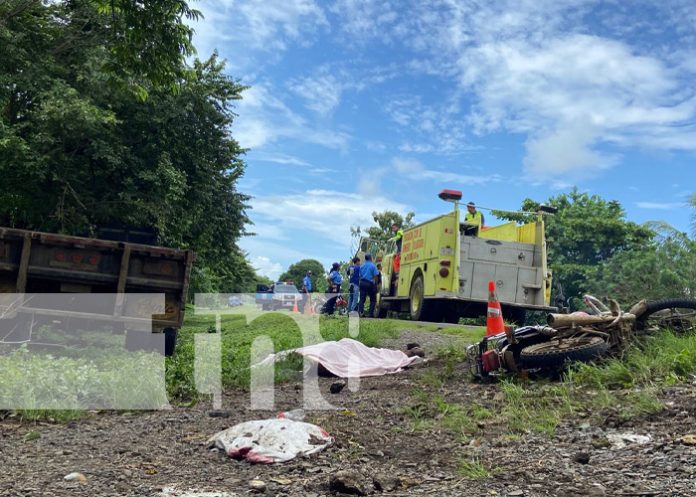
[[555, 353], [678, 315]]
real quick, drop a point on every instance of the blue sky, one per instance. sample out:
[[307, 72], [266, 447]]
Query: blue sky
[[363, 105]]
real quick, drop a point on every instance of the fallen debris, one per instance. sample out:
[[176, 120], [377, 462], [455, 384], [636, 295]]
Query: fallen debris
[[271, 440], [257, 486], [581, 458], [350, 482], [336, 387], [75, 477], [175, 492], [620, 440], [219, 413], [688, 439]]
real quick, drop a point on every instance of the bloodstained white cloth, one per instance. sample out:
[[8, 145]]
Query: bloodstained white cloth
[[349, 358], [269, 441]]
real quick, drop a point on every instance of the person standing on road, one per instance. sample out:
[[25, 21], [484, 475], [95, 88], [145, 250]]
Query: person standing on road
[[335, 280], [368, 287], [354, 285], [306, 290]]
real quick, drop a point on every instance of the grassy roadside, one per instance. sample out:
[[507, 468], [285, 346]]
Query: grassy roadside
[[621, 388], [105, 374], [238, 334]]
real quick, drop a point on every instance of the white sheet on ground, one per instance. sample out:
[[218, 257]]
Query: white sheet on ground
[[271, 440], [349, 358]]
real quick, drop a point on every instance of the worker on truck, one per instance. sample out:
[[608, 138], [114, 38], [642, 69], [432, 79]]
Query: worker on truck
[[474, 219], [472, 215], [398, 236]]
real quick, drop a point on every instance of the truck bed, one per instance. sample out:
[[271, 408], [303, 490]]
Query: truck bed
[[46, 263]]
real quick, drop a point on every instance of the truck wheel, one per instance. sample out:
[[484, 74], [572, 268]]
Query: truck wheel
[[417, 303], [170, 335]]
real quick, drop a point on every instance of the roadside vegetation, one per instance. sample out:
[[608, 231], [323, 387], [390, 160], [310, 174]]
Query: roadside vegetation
[[624, 387]]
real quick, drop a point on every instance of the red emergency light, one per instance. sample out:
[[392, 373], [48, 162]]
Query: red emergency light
[[450, 195]]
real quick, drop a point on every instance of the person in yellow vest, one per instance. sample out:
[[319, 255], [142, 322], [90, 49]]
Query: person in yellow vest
[[472, 215], [398, 236]]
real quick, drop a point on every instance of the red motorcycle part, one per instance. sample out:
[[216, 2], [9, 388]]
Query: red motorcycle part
[[490, 361]]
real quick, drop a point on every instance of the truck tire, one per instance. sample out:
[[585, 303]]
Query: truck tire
[[170, 335], [555, 353], [418, 306]]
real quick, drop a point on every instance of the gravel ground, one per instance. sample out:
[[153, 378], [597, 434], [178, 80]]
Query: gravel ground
[[164, 453]]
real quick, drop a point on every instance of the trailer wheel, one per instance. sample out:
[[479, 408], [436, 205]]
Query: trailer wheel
[[555, 353], [418, 306]]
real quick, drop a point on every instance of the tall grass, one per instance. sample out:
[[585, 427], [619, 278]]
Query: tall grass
[[237, 336], [661, 359]]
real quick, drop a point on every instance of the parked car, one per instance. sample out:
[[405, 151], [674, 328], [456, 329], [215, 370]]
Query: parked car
[[281, 295]]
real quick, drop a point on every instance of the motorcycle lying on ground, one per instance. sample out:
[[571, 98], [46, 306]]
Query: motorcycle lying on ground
[[320, 304], [578, 336]]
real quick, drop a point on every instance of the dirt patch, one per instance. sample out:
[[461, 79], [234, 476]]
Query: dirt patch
[[162, 453]]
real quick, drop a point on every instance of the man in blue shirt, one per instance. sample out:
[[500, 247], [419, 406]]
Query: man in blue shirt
[[335, 280], [354, 285], [307, 282], [306, 290], [368, 287]]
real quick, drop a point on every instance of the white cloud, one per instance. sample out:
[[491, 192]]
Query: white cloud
[[264, 118], [440, 125], [238, 28], [540, 69], [413, 170], [325, 213], [280, 158], [322, 93], [567, 150], [264, 266], [323, 89], [662, 206]]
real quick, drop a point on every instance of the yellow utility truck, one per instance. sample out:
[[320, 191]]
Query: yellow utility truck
[[443, 268]]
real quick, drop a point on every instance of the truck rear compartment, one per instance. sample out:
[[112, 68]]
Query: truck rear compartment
[[515, 267]]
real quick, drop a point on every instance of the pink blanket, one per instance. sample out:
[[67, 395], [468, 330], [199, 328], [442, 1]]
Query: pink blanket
[[349, 358]]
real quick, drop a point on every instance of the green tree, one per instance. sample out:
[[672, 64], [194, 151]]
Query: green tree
[[81, 147], [585, 233], [384, 221], [692, 203], [665, 268], [297, 271]]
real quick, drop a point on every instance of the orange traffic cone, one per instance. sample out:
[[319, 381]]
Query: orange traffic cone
[[494, 321], [294, 308]]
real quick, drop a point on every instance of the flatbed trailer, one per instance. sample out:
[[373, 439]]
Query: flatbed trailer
[[35, 265]]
